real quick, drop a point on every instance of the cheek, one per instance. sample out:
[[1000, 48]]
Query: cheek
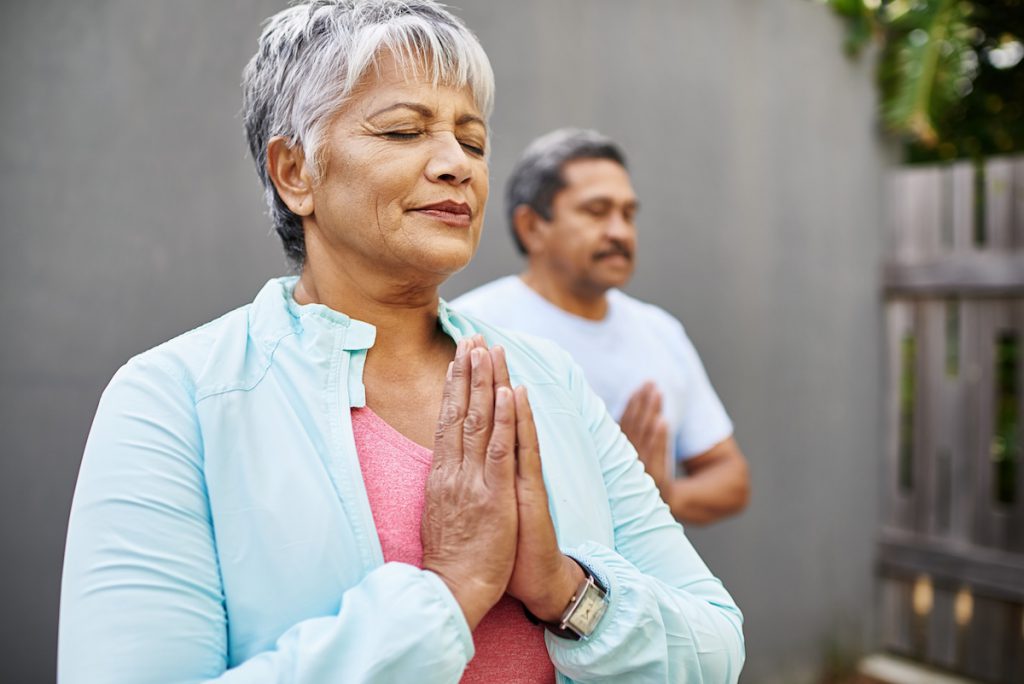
[[483, 187]]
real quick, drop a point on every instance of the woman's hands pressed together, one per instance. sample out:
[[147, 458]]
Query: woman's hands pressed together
[[486, 524]]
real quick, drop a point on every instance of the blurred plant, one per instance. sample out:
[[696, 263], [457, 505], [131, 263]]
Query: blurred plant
[[950, 72]]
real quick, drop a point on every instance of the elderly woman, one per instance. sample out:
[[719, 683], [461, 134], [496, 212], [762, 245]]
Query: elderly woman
[[346, 481]]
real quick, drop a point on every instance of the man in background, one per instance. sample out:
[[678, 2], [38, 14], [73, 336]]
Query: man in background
[[572, 210]]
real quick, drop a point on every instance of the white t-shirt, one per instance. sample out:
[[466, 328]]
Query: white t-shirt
[[634, 343]]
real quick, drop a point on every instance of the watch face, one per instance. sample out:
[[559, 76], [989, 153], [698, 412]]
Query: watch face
[[589, 611]]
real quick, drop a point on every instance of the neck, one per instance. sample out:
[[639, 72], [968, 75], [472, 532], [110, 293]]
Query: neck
[[404, 314], [580, 301]]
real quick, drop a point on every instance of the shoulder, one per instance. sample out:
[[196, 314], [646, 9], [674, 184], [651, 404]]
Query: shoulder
[[204, 360], [232, 352]]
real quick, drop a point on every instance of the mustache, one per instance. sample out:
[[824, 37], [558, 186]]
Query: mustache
[[616, 249]]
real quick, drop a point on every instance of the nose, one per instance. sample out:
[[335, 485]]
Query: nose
[[619, 227], [449, 162]]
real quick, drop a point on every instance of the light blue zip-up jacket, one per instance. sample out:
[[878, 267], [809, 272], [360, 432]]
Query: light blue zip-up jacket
[[220, 529]]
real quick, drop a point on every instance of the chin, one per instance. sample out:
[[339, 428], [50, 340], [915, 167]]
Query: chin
[[445, 262], [617, 280]]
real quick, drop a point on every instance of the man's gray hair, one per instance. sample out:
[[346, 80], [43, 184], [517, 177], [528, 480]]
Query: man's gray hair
[[311, 56], [537, 176]]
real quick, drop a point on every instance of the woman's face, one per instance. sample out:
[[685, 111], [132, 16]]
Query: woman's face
[[404, 178]]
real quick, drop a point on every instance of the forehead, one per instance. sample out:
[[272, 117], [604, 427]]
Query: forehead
[[592, 178], [389, 80]]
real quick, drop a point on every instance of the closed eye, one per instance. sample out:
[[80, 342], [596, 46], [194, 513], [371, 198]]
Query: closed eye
[[401, 135], [597, 210], [475, 150]]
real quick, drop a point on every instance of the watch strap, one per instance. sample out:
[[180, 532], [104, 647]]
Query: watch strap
[[559, 628]]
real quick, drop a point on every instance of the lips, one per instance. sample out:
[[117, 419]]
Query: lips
[[456, 214]]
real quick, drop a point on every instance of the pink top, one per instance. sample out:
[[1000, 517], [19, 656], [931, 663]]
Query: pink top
[[508, 647]]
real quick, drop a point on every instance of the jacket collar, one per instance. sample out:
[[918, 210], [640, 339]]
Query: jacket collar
[[275, 314]]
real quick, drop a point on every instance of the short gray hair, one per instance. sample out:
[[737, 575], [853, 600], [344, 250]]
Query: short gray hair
[[312, 54], [537, 176]]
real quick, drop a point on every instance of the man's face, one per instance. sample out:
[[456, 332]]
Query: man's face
[[590, 240]]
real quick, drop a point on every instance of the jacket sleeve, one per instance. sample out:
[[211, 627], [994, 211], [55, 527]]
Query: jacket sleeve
[[669, 619], [142, 599]]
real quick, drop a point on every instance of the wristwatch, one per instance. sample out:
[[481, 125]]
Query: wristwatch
[[585, 610]]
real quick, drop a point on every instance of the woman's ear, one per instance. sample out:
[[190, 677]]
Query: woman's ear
[[530, 228], [286, 167]]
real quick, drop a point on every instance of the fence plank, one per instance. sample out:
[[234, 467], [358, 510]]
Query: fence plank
[[897, 614], [1018, 205], [986, 656], [973, 273], [964, 456], [931, 469], [942, 631], [988, 323], [999, 204], [961, 213], [899, 509], [915, 212], [992, 572]]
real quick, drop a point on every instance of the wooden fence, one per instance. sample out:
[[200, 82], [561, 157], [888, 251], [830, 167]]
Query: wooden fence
[[951, 551]]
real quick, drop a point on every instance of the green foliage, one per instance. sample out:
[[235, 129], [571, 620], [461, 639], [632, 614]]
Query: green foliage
[[950, 72]]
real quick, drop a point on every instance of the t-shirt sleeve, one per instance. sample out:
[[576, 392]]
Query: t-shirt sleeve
[[703, 422]]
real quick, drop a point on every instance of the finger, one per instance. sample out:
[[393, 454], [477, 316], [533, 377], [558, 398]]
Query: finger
[[652, 414], [528, 449], [660, 440], [454, 402], [501, 376], [476, 427], [500, 463], [658, 466], [641, 406], [656, 441], [655, 401], [629, 416], [477, 341]]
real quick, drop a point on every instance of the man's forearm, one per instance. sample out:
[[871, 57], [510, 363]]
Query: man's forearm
[[711, 491]]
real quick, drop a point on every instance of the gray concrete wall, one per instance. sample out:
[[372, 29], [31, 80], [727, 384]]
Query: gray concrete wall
[[130, 213]]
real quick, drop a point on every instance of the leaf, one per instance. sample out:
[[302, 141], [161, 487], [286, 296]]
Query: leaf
[[927, 63], [945, 97], [861, 23]]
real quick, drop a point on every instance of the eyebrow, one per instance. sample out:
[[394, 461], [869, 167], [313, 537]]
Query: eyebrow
[[427, 113], [634, 204]]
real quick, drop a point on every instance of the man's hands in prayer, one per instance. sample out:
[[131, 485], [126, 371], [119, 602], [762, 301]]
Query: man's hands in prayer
[[648, 432]]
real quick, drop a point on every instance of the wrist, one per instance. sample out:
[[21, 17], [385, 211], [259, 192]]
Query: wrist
[[667, 487], [475, 601], [551, 606]]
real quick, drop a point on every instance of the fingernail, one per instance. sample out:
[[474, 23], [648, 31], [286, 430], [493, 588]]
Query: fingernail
[[448, 373], [474, 357], [460, 347]]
